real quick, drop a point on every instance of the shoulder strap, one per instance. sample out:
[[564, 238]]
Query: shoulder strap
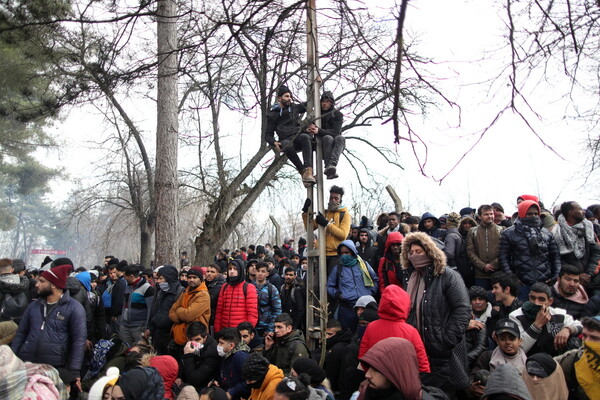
[[342, 214], [245, 289]]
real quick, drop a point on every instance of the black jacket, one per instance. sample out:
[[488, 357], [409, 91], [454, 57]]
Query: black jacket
[[286, 122], [202, 367], [161, 304], [531, 263], [293, 302], [214, 287], [331, 122]]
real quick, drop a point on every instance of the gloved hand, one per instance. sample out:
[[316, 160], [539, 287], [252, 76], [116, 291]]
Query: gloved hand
[[307, 204], [321, 220]]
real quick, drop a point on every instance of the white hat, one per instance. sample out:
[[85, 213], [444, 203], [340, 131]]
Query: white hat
[[112, 375]]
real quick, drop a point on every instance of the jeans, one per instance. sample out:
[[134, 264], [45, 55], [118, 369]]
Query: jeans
[[302, 143], [332, 149], [131, 334]]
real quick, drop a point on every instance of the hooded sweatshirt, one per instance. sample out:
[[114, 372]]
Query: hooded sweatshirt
[[404, 375], [506, 380], [267, 390], [393, 312], [168, 368], [436, 231], [390, 270]]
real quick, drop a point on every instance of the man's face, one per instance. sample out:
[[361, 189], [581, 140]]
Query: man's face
[[331, 332], [355, 232], [232, 271], [395, 248], [286, 99], [533, 211], [478, 304], [94, 284], [193, 281], [227, 346], [289, 277], [44, 287], [160, 279], [345, 251], [326, 104], [246, 336], [498, 215], [393, 221], [304, 264], [211, 273], [198, 339], [377, 380], [359, 311], [363, 237], [252, 270], [296, 259], [590, 336], [428, 224], [416, 249], [577, 212], [261, 274], [498, 292], [106, 260], [282, 329], [130, 278], [568, 284], [487, 217], [541, 299], [270, 265], [509, 344], [335, 198], [112, 274]]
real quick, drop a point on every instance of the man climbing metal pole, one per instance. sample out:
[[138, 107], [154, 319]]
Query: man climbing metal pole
[[284, 118]]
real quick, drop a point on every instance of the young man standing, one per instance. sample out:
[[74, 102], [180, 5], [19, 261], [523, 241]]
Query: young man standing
[[269, 302], [214, 280], [293, 298], [139, 295]]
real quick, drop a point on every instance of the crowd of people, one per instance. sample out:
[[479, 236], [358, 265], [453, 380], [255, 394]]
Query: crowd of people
[[471, 305]]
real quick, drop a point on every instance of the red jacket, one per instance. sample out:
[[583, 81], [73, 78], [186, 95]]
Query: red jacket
[[233, 307], [393, 311], [386, 266]]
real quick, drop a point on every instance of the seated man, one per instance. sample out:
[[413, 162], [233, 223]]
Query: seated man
[[285, 344], [338, 339], [476, 332], [261, 376], [284, 117], [544, 328], [509, 351], [200, 357], [504, 288], [250, 337], [234, 353], [568, 293]]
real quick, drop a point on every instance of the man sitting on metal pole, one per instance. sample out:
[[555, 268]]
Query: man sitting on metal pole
[[330, 133]]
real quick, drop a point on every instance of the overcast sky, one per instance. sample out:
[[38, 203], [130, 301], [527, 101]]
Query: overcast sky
[[467, 36]]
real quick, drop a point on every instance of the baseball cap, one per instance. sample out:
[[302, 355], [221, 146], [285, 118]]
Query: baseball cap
[[507, 325]]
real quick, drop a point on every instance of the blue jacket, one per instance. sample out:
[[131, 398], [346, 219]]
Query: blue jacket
[[57, 339], [138, 300], [350, 285], [231, 379], [269, 307]]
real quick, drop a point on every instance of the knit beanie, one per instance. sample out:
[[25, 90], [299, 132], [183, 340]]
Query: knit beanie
[[47, 260], [369, 314], [453, 220], [541, 365], [311, 368], [283, 90], [61, 261], [58, 275], [169, 272], [498, 206], [506, 380], [524, 206], [477, 291], [192, 271], [255, 368]]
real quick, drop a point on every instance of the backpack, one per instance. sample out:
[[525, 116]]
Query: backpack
[[13, 306]]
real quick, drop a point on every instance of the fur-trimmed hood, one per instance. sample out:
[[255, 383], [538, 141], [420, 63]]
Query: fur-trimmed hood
[[438, 256]]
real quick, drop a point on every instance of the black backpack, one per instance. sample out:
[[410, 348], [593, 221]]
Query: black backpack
[[13, 306]]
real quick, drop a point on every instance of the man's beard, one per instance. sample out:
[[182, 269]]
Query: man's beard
[[333, 206], [43, 293]]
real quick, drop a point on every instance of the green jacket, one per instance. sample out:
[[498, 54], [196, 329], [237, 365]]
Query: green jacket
[[286, 350]]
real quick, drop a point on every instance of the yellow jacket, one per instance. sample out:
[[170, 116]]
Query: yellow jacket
[[267, 390], [336, 232]]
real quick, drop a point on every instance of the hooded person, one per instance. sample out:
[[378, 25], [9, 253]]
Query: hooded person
[[439, 307], [392, 367], [261, 376], [431, 226], [192, 305], [527, 250], [390, 266], [238, 300], [142, 383], [167, 367], [530, 197], [544, 378], [94, 308], [318, 378], [168, 291], [330, 134], [506, 380], [350, 279], [14, 292], [365, 247], [393, 312]]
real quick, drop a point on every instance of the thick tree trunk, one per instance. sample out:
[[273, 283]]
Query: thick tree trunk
[[145, 244], [166, 136]]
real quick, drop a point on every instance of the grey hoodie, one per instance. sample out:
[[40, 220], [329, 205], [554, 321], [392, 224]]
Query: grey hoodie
[[506, 380]]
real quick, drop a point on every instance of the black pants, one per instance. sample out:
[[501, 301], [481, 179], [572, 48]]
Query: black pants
[[302, 143], [332, 149]]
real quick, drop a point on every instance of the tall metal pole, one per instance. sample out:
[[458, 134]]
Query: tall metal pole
[[314, 90]]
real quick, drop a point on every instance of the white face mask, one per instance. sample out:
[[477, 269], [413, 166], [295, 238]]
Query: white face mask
[[220, 351]]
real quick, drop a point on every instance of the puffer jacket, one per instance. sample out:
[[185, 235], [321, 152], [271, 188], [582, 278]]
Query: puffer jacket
[[393, 312], [57, 340], [238, 301], [269, 307], [446, 308], [530, 266], [286, 122], [390, 272], [349, 285]]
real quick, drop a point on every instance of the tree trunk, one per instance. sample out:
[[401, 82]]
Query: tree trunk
[[166, 136], [146, 232]]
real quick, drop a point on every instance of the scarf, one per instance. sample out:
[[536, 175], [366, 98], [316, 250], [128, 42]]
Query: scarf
[[588, 369], [572, 239], [416, 291], [349, 261], [499, 358], [530, 226]]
